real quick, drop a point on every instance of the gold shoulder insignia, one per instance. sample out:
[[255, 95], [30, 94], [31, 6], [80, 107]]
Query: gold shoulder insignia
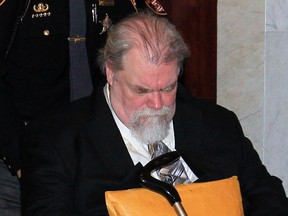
[[156, 7], [2, 2], [40, 8]]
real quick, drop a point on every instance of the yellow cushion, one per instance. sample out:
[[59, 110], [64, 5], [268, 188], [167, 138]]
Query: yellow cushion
[[216, 198]]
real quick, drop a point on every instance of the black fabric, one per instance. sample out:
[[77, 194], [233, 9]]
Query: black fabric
[[9, 193], [79, 154], [10, 130], [34, 67], [35, 74]]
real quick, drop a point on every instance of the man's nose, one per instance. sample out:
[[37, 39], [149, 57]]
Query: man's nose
[[155, 100]]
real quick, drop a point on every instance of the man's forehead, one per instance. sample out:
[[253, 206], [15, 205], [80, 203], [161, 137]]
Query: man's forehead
[[145, 75]]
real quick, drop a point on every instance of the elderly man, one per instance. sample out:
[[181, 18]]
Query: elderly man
[[101, 142]]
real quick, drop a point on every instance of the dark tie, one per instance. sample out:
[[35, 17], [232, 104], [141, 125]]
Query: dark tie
[[172, 174], [80, 77]]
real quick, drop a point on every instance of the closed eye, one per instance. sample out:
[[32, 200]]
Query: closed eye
[[170, 88], [141, 90]]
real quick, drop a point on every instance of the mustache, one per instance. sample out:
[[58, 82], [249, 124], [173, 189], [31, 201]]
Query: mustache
[[164, 112]]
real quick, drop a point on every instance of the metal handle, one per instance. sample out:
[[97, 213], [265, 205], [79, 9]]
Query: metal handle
[[179, 209], [165, 189]]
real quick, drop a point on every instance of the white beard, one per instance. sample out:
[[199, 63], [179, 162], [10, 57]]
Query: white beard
[[150, 125]]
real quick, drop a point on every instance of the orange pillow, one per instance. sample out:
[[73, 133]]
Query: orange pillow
[[216, 198]]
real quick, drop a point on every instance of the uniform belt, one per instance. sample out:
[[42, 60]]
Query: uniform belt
[[76, 39]]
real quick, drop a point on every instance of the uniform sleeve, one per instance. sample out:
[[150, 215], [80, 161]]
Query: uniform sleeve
[[8, 15], [10, 124], [10, 130]]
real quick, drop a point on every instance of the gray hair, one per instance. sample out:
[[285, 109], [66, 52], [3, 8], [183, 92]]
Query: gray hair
[[158, 38]]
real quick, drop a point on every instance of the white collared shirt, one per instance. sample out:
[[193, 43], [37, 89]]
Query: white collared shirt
[[138, 151]]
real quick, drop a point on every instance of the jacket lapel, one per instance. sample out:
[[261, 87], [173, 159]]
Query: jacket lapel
[[188, 131], [106, 136]]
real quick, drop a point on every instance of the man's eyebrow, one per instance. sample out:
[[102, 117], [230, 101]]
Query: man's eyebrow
[[142, 89], [172, 85]]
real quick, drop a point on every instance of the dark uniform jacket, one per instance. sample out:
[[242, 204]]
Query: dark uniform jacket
[[78, 154], [35, 58]]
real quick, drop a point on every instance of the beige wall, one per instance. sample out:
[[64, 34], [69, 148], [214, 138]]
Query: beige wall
[[241, 63], [247, 80]]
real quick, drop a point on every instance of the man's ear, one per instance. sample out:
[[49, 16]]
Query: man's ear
[[109, 73]]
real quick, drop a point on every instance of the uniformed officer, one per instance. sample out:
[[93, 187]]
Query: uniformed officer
[[48, 50]]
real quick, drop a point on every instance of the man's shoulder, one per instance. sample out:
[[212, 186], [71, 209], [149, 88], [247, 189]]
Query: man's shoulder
[[209, 118], [210, 113], [185, 98]]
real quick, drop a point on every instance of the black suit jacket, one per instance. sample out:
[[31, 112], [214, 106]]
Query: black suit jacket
[[35, 67], [75, 156]]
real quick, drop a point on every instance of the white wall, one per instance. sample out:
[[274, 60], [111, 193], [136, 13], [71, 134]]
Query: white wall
[[252, 78], [276, 89]]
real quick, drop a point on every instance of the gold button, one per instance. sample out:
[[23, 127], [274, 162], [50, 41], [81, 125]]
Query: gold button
[[46, 32]]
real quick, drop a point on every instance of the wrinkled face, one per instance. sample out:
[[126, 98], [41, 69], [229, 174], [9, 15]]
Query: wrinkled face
[[143, 95]]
